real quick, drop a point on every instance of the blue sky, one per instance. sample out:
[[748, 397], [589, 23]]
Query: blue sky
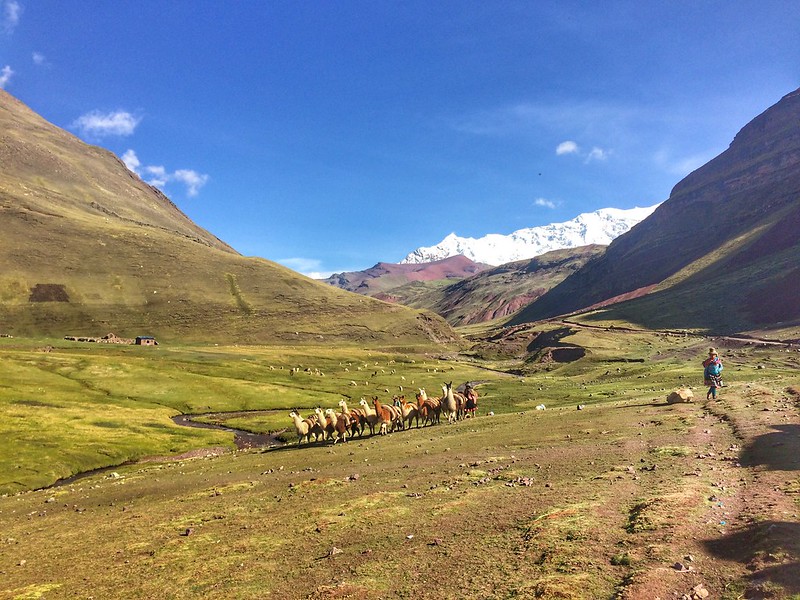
[[330, 135]]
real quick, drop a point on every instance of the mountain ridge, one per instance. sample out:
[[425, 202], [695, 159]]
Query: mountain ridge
[[720, 254], [33, 148], [496, 292], [598, 227], [115, 254]]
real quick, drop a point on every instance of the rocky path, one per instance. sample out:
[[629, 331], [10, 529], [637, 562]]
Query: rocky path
[[736, 513]]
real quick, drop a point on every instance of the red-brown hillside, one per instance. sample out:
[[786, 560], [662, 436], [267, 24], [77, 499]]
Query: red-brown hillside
[[385, 276]]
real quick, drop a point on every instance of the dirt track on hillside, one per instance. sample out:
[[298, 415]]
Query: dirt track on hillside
[[749, 529]]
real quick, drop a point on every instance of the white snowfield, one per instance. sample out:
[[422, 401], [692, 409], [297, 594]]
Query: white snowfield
[[598, 227]]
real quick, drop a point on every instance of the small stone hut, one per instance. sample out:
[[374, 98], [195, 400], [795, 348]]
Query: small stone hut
[[145, 340]]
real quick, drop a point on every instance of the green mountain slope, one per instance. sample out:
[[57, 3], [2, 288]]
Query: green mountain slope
[[87, 248], [721, 254]]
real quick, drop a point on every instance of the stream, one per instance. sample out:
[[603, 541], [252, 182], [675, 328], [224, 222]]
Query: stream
[[244, 440]]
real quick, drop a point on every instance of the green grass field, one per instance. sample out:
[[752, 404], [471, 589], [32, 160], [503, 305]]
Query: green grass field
[[80, 406]]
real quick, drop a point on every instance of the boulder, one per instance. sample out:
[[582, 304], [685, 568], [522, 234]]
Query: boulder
[[680, 395]]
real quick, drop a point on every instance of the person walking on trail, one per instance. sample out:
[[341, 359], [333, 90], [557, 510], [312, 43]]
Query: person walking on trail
[[712, 373]]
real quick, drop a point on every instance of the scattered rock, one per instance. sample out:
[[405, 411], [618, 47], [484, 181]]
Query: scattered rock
[[681, 395], [699, 592]]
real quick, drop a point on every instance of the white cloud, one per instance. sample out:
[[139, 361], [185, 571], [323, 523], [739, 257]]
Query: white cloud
[[544, 202], [5, 75], [158, 175], [131, 161], [11, 13], [318, 274], [192, 179], [39, 59], [97, 124], [597, 154], [568, 147], [681, 166], [310, 267], [301, 264]]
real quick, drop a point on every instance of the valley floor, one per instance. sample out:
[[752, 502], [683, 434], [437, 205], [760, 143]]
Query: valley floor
[[630, 499]]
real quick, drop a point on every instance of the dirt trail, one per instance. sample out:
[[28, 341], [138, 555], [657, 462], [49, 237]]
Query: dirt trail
[[738, 509], [732, 340]]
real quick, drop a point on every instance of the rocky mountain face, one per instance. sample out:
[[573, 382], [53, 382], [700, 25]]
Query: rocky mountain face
[[598, 227], [87, 248], [722, 253], [465, 292], [386, 276]]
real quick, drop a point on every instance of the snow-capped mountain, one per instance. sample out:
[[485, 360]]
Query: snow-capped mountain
[[598, 227]]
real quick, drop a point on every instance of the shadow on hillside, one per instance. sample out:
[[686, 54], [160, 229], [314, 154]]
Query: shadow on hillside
[[769, 549], [660, 403], [778, 450]]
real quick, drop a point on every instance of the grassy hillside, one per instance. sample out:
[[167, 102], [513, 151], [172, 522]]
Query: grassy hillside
[[87, 248], [749, 285], [68, 407], [119, 279]]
